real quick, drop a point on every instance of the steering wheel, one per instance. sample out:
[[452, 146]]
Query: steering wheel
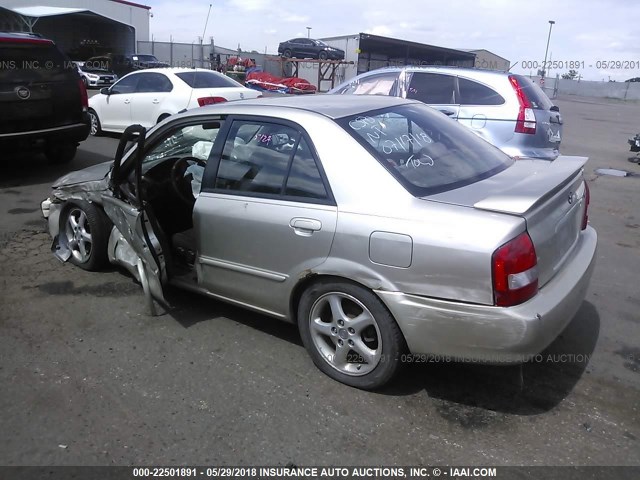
[[177, 176]]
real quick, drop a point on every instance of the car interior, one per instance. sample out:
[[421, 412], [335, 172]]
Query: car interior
[[171, 177], [255, 158]]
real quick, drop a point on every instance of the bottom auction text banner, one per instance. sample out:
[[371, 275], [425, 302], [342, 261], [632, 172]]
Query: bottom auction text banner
[[338, 473]]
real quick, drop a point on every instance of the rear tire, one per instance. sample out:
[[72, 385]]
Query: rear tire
[[349, 334], [322, 55], [59, 153], [96, 128], [85, 230]]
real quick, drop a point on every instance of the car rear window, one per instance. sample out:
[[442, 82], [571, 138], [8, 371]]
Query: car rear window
[[42, 61], [534, 93], [424, 150], [474, 93], [206, 80], [144, 58]]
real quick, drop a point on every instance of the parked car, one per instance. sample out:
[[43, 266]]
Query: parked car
[[378, 225], [507, 110], [309, 48], [43, 102], [123, 64], [149, 96], [95, 75]]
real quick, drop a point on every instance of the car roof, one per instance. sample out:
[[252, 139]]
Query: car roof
[[175, 70], [440, 69], [332, 106]]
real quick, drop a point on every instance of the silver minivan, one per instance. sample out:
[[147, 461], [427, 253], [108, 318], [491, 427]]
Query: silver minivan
[[508, 110]]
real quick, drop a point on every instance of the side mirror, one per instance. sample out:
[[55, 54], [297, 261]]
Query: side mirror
[[105, 91]]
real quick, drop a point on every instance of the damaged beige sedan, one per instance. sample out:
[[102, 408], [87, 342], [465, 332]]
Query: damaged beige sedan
[[378, 225]]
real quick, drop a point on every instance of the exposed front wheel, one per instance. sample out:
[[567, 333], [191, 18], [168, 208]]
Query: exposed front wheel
[[85, 233], [287, 53], [349, 334]]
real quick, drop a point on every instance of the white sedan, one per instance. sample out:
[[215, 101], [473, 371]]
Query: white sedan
[[149, 96]]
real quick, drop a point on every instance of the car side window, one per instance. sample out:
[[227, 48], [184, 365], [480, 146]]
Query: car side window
[[474, 93], [153, 82], [304, 177], [432, 88], [256, 157], [125, 85], [269, 158], [187, 141], [373, 85]]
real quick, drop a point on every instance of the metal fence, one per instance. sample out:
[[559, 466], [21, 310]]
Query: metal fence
[[196, 54], [583, 88]]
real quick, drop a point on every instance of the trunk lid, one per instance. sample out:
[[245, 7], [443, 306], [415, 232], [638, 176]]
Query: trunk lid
[[228, 93], [550, 196]]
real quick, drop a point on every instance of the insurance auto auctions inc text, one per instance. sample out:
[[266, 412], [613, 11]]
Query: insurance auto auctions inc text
[[376, 472]]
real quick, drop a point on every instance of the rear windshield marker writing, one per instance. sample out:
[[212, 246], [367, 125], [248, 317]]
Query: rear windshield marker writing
[[404, 141], [416, 162]]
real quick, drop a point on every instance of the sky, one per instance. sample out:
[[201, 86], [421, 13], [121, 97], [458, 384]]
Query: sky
[[590, 32]]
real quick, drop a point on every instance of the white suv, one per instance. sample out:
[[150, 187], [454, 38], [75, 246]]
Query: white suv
[[507, 110]]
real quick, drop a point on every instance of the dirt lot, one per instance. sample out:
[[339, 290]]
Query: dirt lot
[[87, 379]]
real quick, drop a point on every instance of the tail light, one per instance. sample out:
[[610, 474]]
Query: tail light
[[515, 271], [84, 98], [202, 101], [526, 121], [587, 199]]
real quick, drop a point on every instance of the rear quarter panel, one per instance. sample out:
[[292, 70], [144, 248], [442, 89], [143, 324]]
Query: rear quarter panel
[[494, 123], [451, 245]]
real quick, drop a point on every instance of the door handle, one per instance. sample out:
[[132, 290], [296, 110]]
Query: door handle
[[155, 100], [127, 101], [305, 226], [448, 113]]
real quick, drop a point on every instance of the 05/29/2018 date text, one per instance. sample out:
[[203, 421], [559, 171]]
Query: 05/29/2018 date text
[[581, 64]]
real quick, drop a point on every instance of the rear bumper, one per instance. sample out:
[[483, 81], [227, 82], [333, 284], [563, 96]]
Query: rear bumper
[[76, 132], [497, 335]]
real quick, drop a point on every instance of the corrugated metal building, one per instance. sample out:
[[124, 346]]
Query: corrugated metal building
[[81, 28], [369, 52]]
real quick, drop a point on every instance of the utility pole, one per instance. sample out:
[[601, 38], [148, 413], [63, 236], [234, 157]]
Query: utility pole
[[544, 65]]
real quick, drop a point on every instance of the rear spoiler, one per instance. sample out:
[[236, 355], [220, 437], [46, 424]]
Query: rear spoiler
[[526, 194]]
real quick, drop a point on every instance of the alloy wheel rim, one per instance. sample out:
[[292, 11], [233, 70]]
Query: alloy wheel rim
[[345, 333], [78, 235], [94, 123]]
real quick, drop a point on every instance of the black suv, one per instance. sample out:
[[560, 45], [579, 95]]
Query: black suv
[[43, 102], [123, 64], [309, 48]]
